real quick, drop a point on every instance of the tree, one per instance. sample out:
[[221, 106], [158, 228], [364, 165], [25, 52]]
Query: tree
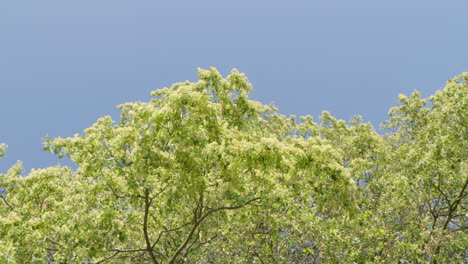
[[203, 174]]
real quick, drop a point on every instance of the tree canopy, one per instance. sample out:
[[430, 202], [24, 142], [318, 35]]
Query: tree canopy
[[203, 174]]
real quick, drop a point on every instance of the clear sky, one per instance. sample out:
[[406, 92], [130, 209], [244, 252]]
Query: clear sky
[[64, 64]]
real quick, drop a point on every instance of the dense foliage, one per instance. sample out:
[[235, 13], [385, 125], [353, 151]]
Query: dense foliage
[[202, 174]]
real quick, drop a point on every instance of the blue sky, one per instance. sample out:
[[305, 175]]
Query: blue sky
[[64, 64]]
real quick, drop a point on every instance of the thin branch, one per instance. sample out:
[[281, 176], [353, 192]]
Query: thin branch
[[198, 218], [6, 202], [437, 186], [454, 205], [174, 242], [193, 243], [157, 239], [127, 250], [176, 228], [53, 242], [202, 243], [114, 192], [161, 191], [106, 259], [233, 207], [259, 258], [197, 221], [145, 229], [452, 209]]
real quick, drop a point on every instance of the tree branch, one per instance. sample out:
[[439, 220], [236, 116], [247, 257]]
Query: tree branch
[[127, 250], [233, 207], [149, 248], [6, 202], [454, 205], [197, 222], [198, 219], [106, 259]]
